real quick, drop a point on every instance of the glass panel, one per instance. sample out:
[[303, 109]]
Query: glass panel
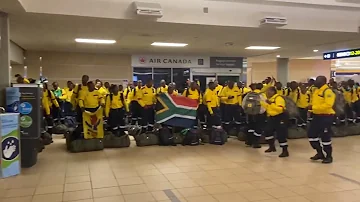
[[160, 74], [143, 74], [223, 79], [180, 75]]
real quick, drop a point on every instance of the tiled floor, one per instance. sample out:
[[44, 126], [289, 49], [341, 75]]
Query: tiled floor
[[207, 173]]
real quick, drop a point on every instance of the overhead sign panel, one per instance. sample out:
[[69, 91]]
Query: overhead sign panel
[[226, 62], [342, 54]]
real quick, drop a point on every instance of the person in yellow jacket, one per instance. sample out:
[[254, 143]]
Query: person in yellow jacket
[[50, 106], [218, 87], [102, 90], [303, 104], [163, 87], [66, 97], [78, 92], [193, 92], [279, 89], [256, 122], [212, 105], [115, 109], [323, 117], [136, 103], [172, 91], [148, 112], [355, 102], [92, 99], [230, 96], [21, 79], [276, 121], [350, 97]]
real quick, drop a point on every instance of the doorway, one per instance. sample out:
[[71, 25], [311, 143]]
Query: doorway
[[204, 80]]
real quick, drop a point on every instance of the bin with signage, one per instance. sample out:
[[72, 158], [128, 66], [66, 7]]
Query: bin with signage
[[10, 145], [26, 100]]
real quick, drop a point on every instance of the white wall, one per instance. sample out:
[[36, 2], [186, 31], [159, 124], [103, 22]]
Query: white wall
[[16, 54]]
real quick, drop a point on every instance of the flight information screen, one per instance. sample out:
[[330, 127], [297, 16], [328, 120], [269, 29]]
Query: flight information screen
[[342, 54]]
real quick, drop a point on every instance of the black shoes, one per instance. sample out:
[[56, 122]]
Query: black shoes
[[318, 156], [285, 153], [327, 160], [271, 149]]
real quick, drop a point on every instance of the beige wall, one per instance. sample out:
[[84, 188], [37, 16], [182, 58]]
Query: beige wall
[[258, 71], [299, 69], [63, 66]]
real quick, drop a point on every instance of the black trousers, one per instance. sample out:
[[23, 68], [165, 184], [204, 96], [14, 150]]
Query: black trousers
[[201, 114], [356, 109], [148, 118], [320, 128], [214, 120], [49, 122], [302, 120], [79, 117], [55, 113], [117, 121], [232, 117], [348, 115], [256, 124], [136, 112], [222, 111], [279, 125], [67, 109]]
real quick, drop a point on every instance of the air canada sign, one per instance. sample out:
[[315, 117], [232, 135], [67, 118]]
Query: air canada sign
[[165, 61]]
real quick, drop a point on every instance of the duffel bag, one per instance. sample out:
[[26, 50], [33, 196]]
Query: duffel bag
[[205, 136], [241, 136], [146, 139], [218, 137], [41, 145], [340, 131], [296, 133], [82, 145], [353, 129], [70, 122], [112, 141], [233, 132], [166, 138], [178, 138], [134, 130], [46, 138], [60, 129], [191, 137]]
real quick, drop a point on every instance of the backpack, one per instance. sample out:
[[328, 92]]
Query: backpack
[[191, 137], [251, 103], [218, 137], [339, 105], [166, 138], [290, 107], [70, 122]]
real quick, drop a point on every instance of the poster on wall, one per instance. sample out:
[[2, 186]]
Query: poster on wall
[[27, 102], [10, 145]]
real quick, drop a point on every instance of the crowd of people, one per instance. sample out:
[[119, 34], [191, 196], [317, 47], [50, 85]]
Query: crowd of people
[[218, 107]]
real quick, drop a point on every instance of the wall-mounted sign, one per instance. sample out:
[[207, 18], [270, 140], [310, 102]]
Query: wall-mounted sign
[[342, 54], [169, 61], [226, 62]]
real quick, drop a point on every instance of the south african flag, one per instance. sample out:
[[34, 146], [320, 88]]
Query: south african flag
[[176, 111]]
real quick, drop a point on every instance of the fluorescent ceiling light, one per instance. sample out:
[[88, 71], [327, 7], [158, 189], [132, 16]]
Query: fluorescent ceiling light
[[169, 44], [315, 51], [97, 41], [262, 48]]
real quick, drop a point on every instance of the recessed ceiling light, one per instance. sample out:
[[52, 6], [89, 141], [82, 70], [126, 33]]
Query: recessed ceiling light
[[262, 47], [169, 44], [97, 41], [278, 56], [315, 51]]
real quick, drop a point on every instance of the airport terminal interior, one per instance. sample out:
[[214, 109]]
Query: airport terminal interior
[[179, 101]]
